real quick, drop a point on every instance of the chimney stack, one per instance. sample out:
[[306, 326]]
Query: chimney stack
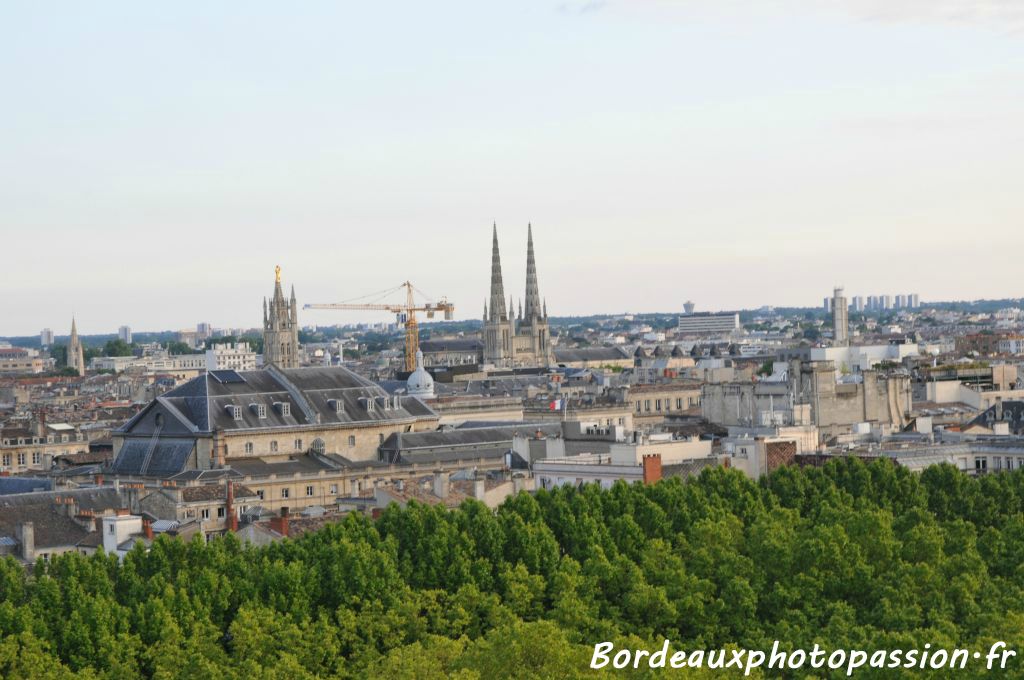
[[280, 524], [147, 528], [479, 488], [27, 536], [652, 468], [440, 483], [229, 510]]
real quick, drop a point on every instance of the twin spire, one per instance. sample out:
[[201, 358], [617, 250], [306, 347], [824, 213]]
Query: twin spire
[[534, 308]]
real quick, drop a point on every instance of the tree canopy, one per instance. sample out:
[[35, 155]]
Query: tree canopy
[[848, 556]]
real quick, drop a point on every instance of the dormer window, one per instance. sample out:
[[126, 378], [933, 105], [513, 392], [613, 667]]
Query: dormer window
[[259, 409], [336, 405], [283, 407], [397, 401], [234, 411]]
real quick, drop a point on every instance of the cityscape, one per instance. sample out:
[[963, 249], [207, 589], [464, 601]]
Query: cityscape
[[649, 443]]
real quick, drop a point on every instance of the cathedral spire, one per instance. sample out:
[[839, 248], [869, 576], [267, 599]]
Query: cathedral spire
[[533, 306], [498, 312], [294, 308]]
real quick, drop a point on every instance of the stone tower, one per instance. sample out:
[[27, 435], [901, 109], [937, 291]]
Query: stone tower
[[280, 328], [840, 319], [511, 341], [533, 323], [75, 358], [497, 324]]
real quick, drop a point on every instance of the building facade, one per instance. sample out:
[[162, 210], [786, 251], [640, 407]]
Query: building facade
[[280, 328], [509, 340], [705, 323]]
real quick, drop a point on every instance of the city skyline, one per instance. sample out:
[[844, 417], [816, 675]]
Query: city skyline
[[172, 182]]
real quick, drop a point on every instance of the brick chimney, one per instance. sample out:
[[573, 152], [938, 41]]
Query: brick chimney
[[99, 480], [652, 468], [280, 524], [147, 528], [229, 510]]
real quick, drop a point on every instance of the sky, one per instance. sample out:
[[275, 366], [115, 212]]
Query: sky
[[157, 160]]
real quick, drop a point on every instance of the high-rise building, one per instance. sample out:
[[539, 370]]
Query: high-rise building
[[511, 341], [688, 307], [901, 301], [886, 301], [204, 331], [124, 333], [46, 337], [280, 328], [858, 303], [827, 305], [707, 323], [840, 319], [75, 356], [915, 301]]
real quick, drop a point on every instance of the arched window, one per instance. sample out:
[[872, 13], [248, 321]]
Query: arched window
[[318, 446]]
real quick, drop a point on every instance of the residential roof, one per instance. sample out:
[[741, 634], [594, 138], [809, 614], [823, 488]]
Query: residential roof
[[214, 492]]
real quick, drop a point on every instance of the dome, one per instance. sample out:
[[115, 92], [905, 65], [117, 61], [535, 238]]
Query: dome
[[419, 383]]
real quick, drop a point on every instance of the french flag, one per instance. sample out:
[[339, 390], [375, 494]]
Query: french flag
[[555, 405]]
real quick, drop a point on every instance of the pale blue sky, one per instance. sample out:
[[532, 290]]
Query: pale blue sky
[[157, 161]]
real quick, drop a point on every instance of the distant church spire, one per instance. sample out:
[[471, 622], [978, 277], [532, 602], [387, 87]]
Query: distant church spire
[[75, 355], [533, 306], [281, 328], [498, 312]]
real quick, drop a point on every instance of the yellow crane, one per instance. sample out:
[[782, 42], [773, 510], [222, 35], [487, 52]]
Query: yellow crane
[[406, 313]]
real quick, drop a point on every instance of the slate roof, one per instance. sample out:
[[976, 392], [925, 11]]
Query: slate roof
[[465, 437], [203, 403], [454, 345], [11, 485], [260, 467], [153, 456], [214, 492], [52, 527], [570, 355]]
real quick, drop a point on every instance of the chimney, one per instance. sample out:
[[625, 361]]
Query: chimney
[[229, 510], [147, 528], [399, 485], [999, 408], [99, 480], [652, 468], [440, 483], [121, 512], [280, 524], [27, 536], [479, 488]]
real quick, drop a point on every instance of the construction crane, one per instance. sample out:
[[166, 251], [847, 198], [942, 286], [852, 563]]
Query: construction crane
[[405, 313]]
